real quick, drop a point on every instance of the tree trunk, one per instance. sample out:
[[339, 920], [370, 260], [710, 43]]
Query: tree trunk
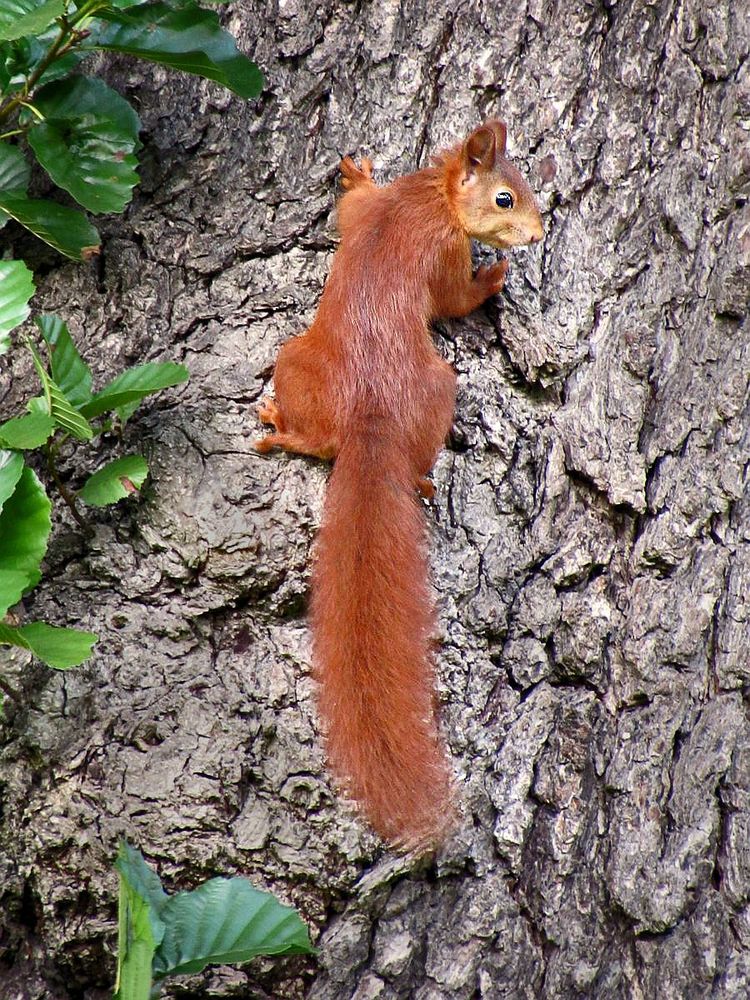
[[589, 532]]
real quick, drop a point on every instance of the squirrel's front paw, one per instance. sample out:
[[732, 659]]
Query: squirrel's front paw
[[492, 277], [352, 175]]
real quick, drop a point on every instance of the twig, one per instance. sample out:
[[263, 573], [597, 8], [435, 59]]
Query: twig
[[64, 491]]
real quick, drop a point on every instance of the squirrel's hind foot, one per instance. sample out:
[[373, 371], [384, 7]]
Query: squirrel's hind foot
[[269, 413]]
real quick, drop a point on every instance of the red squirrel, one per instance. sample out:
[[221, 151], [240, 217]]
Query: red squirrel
[[365, 386]]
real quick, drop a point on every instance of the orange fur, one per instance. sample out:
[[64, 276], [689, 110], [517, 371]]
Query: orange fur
[[366, 386]]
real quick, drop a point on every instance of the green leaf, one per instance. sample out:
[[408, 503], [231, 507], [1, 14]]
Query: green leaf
[[27, 17], [8, 63], [21, 58], [11, 467], [140, 930], [135, 946], [126, 411], [25, 525], [65, 415], [65, 229], [69, 369], [38, 404], [62, 67], [87, 142], [134, 384], [115, 481], [16, 61], [16, 288], [58, 405], [14, 173], [29, 431], [57, 647], [13, 583], [225, 920], [142, 878], [14, 169], [189, 39]]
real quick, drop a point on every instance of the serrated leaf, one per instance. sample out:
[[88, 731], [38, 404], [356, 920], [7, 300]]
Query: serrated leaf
[[25, 525], [115, 481], [87, 142], [27, 17], [59, 406], [134, 384], [29, 431], [190, 39], [225, 920], [16, 289], [69, 369], [60, 648], [65, 229], [11, 467]]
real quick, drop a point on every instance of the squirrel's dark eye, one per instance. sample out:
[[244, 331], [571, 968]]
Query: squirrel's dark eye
[[504, 199]]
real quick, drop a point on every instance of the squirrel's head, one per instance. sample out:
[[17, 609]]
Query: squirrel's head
[[494, 203]]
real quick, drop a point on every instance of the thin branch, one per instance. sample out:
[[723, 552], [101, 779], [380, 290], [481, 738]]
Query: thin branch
[[63, 490]]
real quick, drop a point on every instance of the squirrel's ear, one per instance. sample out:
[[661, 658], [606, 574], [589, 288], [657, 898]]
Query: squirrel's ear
[[501, 134], [479, 149]]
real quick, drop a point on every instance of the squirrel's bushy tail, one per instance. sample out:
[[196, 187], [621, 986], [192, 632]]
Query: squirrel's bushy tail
[[371, 619]]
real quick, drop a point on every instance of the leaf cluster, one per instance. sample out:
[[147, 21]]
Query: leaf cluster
[[221, 922], [81, 131], [85, 136], [67, 408]]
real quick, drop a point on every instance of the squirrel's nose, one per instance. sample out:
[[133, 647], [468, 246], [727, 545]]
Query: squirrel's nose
[[537, 233]]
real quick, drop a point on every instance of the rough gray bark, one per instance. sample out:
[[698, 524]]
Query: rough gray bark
[[590, 529]]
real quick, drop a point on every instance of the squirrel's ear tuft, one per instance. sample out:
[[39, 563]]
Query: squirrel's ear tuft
[[501, 134], [480, 149]]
